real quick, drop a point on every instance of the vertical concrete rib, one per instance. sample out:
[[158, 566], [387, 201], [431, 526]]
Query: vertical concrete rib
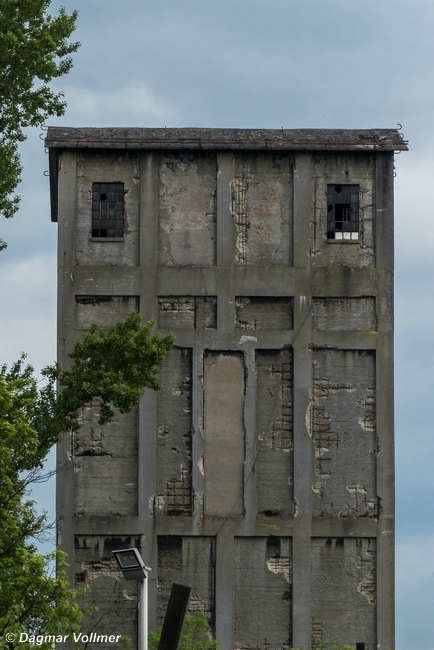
[[197, 450], [67, 198], [250, 509], [384, 396], [224, 586], [226, 329], [225, 246], [148, 406], [302, 382]]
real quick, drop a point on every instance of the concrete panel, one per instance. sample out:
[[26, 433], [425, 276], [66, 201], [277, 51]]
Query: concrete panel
[[262, 208], [105, 465], [302, 358], [224, 433], [274, 422], [188, 561], [345, 169], [104, 310], [107, 167], [344, 591], [344, 314], [187, 312], [263, 593], [264, 313], [174, 426], [343, 433], [187, 209], [115, 598]]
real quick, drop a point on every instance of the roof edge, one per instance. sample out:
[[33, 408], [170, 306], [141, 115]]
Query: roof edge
[[202, 138]]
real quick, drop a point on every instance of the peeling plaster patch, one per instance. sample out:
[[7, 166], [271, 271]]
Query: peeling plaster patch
[[177, 494], [200, 427], [344, 589], [317, 632], [262, 186], [198, 503], [263, 567], [156, 505], [239, 213], [245, 339], [247, 452], [280, 565], [342, 428], [367, 421], [189, 561], [174, 440], [117, 599], [274, 421], [187, 208], [367, 565], [187, 312], [104, 310], [302, 302], [197, 604], [344, 314], [200, 464], [105, 461], [254, 313], [128, 596], [308, 419], [356, 488]]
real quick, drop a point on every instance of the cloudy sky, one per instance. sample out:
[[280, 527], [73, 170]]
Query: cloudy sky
[[263, 64]]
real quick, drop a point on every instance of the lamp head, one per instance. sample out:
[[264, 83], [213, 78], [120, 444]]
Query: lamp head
[[131, 564]]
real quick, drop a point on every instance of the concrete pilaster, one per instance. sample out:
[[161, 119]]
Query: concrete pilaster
[[385, 402], [67, 203], [302, 383]]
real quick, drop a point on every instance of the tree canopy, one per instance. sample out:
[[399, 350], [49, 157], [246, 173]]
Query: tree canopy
[[112, 366], [34, 49]]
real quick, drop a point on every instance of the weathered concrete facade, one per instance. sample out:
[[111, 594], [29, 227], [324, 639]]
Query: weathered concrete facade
[[262, 473]]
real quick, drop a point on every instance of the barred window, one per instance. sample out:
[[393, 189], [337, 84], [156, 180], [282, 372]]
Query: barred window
[[342, 211], [107, 210]]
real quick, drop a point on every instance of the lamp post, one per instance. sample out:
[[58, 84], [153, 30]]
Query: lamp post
[[132, 566]]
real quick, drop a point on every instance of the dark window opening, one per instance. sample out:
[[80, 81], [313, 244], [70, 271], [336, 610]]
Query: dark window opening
[[339, 542], [360, 646], [273, 546], [343, 212], [107, 210]]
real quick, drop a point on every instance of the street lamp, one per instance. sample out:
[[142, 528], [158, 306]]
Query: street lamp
[[133, 568]]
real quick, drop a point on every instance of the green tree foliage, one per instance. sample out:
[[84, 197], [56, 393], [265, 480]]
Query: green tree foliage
[[196, 634], [112, 366], [34, 49]]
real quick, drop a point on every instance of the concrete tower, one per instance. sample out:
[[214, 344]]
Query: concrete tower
[[262, 473]]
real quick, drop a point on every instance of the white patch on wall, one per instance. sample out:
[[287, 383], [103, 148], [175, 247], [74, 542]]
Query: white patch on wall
[[279, 565]]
